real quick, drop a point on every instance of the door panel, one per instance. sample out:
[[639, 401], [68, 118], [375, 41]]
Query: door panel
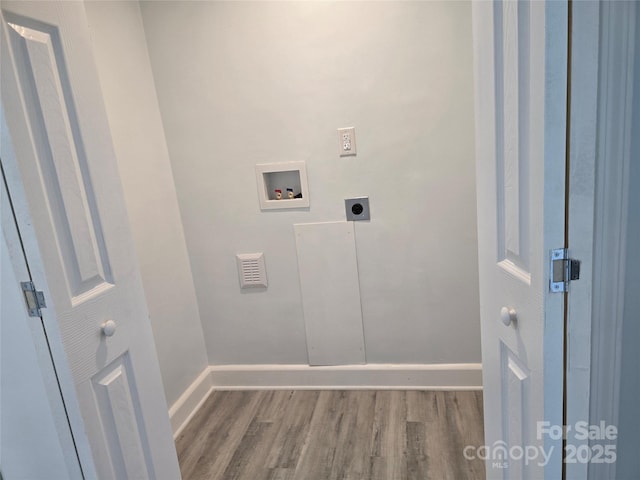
[[119, 405], [520, 62], [61, 159], [516, 392], [65, 159], [512, 59]]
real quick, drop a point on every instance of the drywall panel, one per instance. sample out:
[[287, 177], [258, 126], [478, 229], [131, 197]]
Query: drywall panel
[[328, 270]]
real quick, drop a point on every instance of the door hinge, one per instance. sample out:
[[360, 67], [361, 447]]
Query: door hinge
[[34, 298], [562, 270]]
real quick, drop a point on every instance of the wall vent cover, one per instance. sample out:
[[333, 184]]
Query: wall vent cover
[[251, 270]]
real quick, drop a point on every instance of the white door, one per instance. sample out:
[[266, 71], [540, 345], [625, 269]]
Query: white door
[[64, 158], [520, 62]]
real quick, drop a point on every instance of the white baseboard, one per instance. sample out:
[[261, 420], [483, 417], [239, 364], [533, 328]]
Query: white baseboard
[[459, 376], [190, 401], [456, 376]]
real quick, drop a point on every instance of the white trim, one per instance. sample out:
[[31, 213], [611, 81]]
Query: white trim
[[459, 376], [183, 409], [450, 376], [583, 130], [616, 86]]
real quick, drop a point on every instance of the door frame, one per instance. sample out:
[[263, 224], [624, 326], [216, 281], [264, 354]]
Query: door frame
[[581, 171], [602, 70], [24, 225]]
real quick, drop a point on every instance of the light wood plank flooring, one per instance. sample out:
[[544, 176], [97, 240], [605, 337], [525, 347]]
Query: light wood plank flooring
[[326, 435]]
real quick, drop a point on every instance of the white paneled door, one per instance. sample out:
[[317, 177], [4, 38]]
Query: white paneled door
[[521, 101], [62, 157]]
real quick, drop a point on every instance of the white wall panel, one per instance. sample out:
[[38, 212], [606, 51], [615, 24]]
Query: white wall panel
[[328, 271]]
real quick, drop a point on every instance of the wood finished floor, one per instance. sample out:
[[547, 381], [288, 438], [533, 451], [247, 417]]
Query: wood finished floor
[[327, 435]]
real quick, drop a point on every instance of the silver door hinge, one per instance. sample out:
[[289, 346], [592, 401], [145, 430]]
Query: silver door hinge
[[34, 298], [562, 270]]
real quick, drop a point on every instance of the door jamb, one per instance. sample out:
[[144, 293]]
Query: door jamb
[[584, 31], [612, 187], [603, 68]]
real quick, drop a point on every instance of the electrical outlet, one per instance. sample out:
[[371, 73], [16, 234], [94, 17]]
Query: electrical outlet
[[347, 141], [357, 209]]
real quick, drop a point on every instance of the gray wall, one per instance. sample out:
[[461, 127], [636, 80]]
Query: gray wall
[[243, 83], [138, 136]]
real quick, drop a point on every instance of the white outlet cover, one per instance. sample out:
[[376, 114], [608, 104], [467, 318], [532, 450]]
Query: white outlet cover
[[347, 141]]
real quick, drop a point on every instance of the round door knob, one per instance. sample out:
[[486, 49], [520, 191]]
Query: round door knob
[[109, 328], [508, 316]]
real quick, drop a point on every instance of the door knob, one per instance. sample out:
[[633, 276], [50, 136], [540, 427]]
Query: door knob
[[108, 328], [508, 315]]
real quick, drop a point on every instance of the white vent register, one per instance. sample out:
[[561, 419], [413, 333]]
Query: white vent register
[[251, 270]]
